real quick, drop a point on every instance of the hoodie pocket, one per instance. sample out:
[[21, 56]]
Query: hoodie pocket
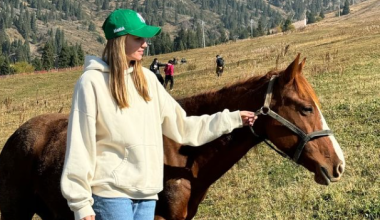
[[140, 168]]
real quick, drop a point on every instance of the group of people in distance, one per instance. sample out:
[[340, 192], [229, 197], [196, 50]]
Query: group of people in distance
[[169, 70]]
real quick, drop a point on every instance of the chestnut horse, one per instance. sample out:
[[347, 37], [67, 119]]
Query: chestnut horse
[[289, 116]]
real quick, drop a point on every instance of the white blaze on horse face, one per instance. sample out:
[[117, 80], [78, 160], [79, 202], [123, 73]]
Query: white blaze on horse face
[[335, 143]]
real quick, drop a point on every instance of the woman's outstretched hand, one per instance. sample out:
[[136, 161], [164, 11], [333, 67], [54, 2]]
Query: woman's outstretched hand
[[248, 118]]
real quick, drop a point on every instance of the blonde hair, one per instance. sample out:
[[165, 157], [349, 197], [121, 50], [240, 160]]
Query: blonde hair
[[114, 55]]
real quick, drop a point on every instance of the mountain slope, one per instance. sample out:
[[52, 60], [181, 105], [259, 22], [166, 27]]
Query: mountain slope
[[229, 19]]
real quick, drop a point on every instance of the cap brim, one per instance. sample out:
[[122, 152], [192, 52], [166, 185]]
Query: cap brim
[[146, 31]]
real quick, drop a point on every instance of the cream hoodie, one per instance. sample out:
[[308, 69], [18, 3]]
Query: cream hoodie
[[113, 152]]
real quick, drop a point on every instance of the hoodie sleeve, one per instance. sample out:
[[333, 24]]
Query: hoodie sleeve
[[79, 165], [196, 130]]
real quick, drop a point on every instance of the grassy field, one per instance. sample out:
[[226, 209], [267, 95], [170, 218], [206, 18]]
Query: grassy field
[[343, 65]]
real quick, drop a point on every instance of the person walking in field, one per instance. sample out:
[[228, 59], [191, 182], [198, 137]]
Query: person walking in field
[[113, 167], [219, 65], [155, 68], [169, 74]]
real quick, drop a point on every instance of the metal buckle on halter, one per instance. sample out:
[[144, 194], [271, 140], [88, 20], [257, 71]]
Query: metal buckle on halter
[[264, 110]]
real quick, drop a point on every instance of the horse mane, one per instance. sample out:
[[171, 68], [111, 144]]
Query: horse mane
[[251, 85]]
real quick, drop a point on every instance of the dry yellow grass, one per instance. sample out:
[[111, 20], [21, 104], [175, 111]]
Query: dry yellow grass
[[343, 64]]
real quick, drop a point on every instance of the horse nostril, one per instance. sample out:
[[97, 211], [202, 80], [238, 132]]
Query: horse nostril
[[339, 170]]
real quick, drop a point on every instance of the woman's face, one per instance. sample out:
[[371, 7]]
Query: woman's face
[[134, 47]]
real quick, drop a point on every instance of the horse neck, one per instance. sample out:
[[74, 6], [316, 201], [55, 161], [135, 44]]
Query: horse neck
[[246, 95], [217, 157]]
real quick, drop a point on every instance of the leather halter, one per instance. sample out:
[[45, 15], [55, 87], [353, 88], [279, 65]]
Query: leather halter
[[304, 138]]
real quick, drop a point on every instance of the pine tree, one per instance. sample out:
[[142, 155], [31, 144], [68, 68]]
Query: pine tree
[[106, 5], [346, 8], [164, 11], [64, 57], [310, 17], [74, 60], [37, 64], [80, 54], [260, 29], [222, 33], [91, 26], [3, 37], [178, 41], [287, 25], [47, 58], [135, 4], [199, 36], [322, 14], [176, 15], [33, 23], [59, 40], [5, 68]]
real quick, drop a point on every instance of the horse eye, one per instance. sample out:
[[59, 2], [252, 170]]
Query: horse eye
[[307, 110]]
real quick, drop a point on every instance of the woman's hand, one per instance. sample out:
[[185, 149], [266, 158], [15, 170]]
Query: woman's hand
[[90, 217], [248, 118]]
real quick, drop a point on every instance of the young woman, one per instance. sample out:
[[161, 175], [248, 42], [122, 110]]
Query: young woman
[[114, 159]]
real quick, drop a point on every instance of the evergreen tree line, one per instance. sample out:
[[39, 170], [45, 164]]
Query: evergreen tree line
[[56, 53], [313, 10], [44, 10], [191, 39], [237, 20], [235, 17]]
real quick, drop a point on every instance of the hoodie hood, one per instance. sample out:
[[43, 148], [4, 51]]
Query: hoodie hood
[[95, 63]]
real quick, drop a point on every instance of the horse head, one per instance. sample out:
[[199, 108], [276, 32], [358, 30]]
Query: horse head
[[297, 127]]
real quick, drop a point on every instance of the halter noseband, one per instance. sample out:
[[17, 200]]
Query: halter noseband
[[304, 138]]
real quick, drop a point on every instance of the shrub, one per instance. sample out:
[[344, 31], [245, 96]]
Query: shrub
[[23, 67]]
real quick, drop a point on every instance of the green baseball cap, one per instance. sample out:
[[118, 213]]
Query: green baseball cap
[[125, 21]]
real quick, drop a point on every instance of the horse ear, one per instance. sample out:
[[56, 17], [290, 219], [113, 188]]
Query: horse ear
[[302, 65], [292, 70]]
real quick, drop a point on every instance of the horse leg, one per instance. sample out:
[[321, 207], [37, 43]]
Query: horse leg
[[53, 211], [173, 201], [16, 216], [18, 207], [194, 201], [42, 210], [16, 192]]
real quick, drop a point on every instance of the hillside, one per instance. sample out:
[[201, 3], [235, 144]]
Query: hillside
[[343, 65], [230, 18]]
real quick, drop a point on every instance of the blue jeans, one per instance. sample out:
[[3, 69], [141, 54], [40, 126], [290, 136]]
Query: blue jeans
[[123, 208]]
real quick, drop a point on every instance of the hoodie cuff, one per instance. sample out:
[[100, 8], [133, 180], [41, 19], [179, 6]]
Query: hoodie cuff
[[236, 121], [83, 212]]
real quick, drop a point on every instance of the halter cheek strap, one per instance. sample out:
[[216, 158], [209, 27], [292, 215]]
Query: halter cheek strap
[[304, 138]]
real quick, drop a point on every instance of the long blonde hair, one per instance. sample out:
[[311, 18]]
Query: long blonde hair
[[114, 55]]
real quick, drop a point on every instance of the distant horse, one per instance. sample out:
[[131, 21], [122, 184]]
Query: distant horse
[[289, 116]]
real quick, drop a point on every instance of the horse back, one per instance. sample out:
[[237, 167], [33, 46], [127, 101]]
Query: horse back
[[31, 164]]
